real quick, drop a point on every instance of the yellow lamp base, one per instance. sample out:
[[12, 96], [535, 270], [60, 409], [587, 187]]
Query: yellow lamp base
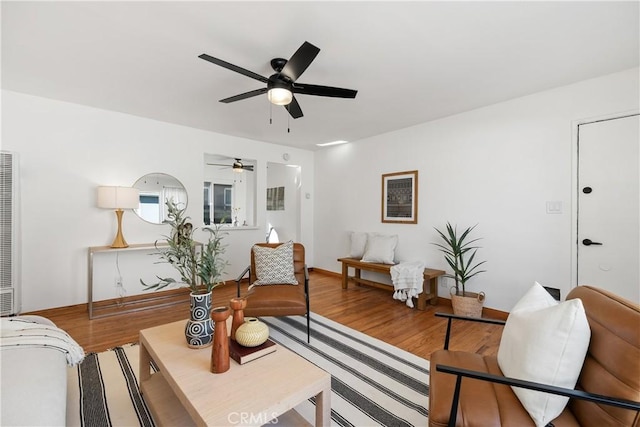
[[119, 241]]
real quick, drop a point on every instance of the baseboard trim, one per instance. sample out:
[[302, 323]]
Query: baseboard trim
[[133, 303], [326, 272], [139, 302]]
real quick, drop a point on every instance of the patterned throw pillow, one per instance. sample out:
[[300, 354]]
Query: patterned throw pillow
[[274, 266]]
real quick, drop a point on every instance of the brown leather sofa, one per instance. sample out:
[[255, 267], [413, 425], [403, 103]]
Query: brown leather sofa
[[278, 300], [607, 392]]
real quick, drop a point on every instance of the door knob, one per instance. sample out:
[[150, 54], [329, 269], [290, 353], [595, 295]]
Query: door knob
[[589, 242]]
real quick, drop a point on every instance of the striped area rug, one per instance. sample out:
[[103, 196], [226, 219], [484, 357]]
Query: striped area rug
[[103, 390], [372, 384]]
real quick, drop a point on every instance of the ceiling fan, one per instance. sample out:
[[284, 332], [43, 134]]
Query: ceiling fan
[[282, 85], [237, 166]]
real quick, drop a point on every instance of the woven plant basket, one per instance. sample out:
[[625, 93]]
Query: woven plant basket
[[469, 305]]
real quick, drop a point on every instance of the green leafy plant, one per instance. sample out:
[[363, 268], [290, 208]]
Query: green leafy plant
[[459, 254], [200, 268]]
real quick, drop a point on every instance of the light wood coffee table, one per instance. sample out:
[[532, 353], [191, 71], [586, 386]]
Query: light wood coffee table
[[185, 392]]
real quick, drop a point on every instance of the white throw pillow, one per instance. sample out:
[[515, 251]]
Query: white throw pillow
[[546, 342], [358, 243], [274, 266], [380, 248]]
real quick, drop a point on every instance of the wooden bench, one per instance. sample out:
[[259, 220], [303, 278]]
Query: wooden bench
[[430, 278]]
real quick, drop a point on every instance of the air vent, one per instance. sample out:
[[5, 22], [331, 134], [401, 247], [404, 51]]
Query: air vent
[[9, 253], [7, 299]]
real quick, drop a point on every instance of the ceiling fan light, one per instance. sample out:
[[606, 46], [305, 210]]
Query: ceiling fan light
[[237, 166], [280, 96]]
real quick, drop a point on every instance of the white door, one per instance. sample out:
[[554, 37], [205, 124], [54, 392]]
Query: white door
[[609, 206]]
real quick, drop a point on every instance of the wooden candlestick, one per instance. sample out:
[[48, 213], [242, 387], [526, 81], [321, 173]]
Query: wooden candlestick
[[220, 351], [237, 305]]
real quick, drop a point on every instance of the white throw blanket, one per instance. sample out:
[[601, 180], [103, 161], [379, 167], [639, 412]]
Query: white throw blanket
[[25, 333], [407, 278]]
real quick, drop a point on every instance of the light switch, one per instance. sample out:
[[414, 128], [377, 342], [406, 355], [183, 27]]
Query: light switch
[[554, 207]]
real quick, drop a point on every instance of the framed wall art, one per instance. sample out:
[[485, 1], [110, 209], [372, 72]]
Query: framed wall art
[[275, 199], [400, 197]]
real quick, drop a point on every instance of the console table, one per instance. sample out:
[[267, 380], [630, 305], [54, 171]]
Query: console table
[[106, 249], [430, 278]]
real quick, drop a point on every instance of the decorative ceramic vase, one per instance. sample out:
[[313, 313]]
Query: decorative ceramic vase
[[237, 305], [199, 328], [252, 332], [220, 352]]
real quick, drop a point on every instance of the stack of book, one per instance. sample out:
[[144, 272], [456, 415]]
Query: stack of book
[[242, 354]]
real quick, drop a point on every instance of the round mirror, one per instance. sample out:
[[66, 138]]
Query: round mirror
[[155, 189]]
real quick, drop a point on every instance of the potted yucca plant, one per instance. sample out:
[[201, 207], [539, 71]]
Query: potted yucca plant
[[200, 266], [460, 252]]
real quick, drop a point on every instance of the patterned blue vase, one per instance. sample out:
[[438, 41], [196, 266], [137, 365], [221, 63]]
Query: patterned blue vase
[[199, 329]]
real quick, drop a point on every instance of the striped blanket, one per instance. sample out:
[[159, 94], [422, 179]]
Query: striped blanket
[[21, 332]]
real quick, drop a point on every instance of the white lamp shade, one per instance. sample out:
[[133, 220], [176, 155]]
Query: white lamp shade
[[118, 198], [280, 96]]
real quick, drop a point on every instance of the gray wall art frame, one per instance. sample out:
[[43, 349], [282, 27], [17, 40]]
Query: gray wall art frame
[[275, 199]]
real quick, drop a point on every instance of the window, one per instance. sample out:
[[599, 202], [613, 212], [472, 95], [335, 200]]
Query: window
[[222, 197], [207, 203], [218, 199], [150, 207]]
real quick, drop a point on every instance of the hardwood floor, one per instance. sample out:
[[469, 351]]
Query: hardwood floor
[[368, 310]]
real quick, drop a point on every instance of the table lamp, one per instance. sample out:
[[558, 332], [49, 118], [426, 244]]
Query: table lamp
[[118, 198]]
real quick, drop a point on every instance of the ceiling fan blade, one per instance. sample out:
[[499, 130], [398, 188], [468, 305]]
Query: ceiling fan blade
[[334, 92], [248, 167], [300, 60], [294, 109], [232, 67], [218, 164], [244, 95]]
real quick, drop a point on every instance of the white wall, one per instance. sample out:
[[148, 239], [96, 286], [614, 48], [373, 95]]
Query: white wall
[[67, 150], [495, 167]]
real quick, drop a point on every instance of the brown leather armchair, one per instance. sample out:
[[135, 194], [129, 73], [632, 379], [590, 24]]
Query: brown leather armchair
[[468, 389], [279, 300]]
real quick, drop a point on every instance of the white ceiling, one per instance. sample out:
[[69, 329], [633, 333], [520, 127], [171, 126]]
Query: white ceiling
[[411, 62]]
